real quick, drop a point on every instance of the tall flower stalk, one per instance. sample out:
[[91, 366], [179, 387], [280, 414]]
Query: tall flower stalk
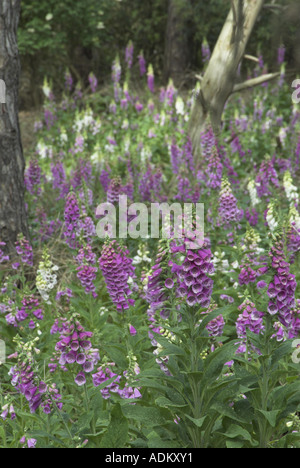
[[117, 269]]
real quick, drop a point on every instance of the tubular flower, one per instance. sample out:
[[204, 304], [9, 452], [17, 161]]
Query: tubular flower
[[271, 216], [254, 263], [30, 305], [32, 178], [37, 393], [24, 249], [8, 410], [3, 257], [159, 282], [293, 234], [290, 189], [267, 177], [282, 289], [206, 53], [216, 326], [104, 373], [46, 278], [117, 269], [115, 189], [30, 443], [214, 170], [86, 255], [93, 82], [129, 54], [142, 64], [249, 319], [158, 285], [228, 210], [195, 284], [252, 189], [150, 78], [87, 275], [71, 215], [75, 348]]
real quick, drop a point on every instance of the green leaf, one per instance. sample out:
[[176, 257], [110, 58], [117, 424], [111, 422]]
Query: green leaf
[[225, 410], [43, 434], [158, 443], [234, 444], [271, 416], [117, 433], [117, 355], [235, 431], [155, 441], [215, 362], [198, 422], [166, 403], [2, 434], [283, 350], [145, 415], [169, 349]]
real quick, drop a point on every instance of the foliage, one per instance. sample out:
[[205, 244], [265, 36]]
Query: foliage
[[87, 35], [166, 371]]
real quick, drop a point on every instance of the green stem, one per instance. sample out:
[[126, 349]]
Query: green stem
[[61, 418], [196, 432], [264, 404], [4, 437], [86, 397]]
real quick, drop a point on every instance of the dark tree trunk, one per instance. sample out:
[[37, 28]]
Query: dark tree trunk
[[176, 46], [12, 207]]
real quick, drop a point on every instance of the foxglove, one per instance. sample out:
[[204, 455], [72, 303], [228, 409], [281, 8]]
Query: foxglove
[[74, 348], [214, 170], [71, 216], [267, 177], [36, 392], [282, 289], [229, 213], [142, 64], [24, 250], [117, 269], [249, 319], [33, 178], [3, 257]]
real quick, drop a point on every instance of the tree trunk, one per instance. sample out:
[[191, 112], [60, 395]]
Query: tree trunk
[[176, 46], [220, 77], [12, 207]]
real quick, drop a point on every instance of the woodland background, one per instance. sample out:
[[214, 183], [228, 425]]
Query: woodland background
[[86, 35]]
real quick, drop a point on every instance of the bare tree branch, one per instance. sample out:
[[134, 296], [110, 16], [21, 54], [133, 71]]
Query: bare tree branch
[[251, 57], [256, 81], [260, 80], [271, 6]]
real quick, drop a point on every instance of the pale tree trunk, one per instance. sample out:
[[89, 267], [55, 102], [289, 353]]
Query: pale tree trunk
[[176, 46], [220, 77], [12, 207]]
